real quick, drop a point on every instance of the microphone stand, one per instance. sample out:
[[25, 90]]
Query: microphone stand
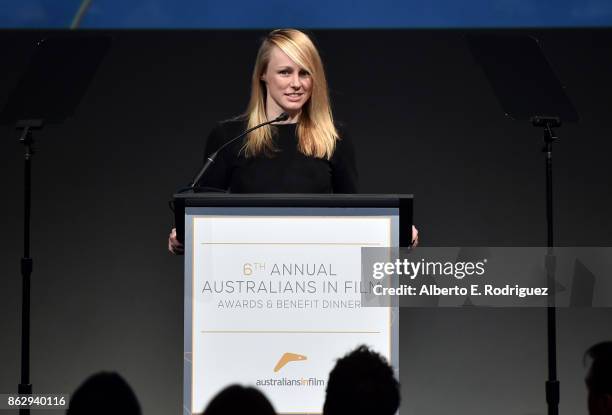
[[211, 159], [552, 384], [26, 138], [48, 92], [528, 89], [178, 221]]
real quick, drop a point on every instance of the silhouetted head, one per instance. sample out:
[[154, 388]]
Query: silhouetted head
[[599, 379], [362, 382], [104, 393], [238, 400]]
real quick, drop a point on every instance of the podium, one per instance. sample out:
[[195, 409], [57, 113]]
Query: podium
[[273, 290]]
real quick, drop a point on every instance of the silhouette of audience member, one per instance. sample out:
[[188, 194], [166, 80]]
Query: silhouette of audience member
[[361, 383], [599, 379], [104, 393], [239, 400]]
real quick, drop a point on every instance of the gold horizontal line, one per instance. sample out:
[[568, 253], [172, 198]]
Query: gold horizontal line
[[288, 332], [290, 243]]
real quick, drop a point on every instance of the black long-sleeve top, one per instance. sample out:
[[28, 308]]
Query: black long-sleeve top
[[286, 171]]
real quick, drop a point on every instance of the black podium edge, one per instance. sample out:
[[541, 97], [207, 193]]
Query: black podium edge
[[402, 201]]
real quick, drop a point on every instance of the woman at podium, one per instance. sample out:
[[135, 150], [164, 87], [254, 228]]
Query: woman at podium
[[305, 153]]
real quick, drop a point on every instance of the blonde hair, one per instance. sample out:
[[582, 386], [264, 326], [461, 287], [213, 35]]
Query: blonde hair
[[316, 132]]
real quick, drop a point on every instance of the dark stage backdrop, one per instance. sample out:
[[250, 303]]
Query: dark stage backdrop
[[107, 296]]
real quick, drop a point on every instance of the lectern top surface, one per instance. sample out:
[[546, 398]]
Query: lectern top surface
[[306, 200]]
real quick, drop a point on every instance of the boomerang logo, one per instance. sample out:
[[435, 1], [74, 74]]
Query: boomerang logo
[[286, 358]]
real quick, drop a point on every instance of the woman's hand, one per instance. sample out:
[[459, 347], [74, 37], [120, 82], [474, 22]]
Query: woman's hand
[[415, 237], [174, 245]]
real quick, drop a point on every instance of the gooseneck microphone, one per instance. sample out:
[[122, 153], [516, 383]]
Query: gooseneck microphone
[[211, 159]]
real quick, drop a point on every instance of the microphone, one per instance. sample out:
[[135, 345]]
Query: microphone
[[211, 159], [283, 116]]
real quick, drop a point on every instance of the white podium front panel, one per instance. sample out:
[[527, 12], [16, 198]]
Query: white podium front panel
[[272, 299]]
